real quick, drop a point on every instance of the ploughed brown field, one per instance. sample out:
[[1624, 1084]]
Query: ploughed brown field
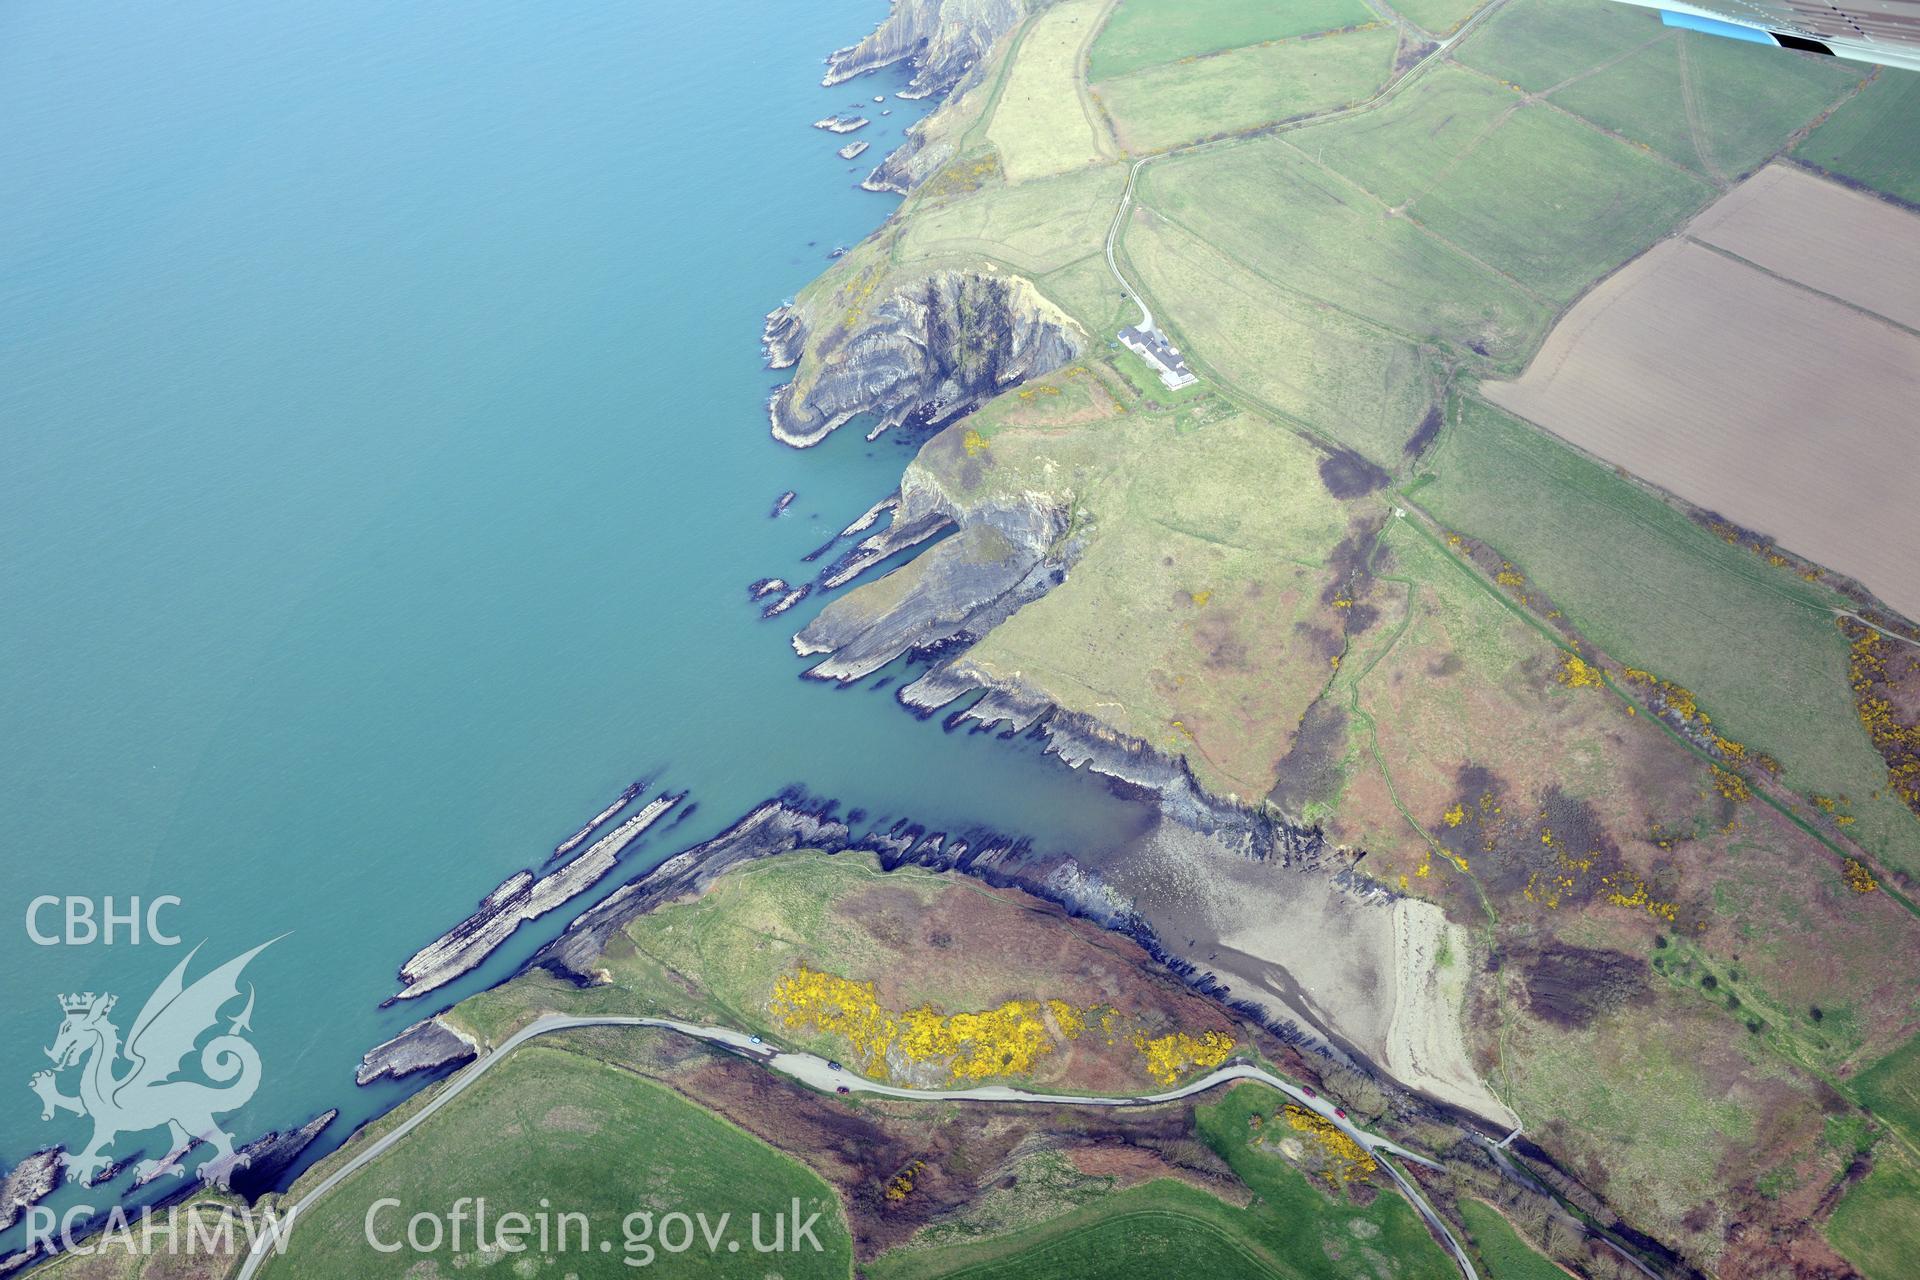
[[1764, 365]]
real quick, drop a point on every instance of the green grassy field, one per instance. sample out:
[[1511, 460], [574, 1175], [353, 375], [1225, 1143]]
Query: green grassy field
[[1441, 17], [1891, 1090], [1748, 100], [1399, 149], [552, 1126], [1145, 33], [1291, 1230], [1870, 139], [1268, 206], [1348, 380], [1645, 1091], [1505, 1254], [1555, 203], [1035, 227], [1640, 97], [1321, 1235], [1160, 629], [1538, 44], [1166, 106], [1661, 593], [1159, 1229], [1085, 290], [1877, 1224], [1040, 124]]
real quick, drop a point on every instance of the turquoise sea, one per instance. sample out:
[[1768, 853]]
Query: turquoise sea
[[382, 464]]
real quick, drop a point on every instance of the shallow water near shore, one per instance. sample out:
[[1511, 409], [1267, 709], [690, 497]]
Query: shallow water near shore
[[384, 462]]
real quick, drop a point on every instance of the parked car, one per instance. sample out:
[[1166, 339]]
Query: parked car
[[1338, 1112], [841, 1089], [753, 1039], [833, 1066], [1308, 1090]]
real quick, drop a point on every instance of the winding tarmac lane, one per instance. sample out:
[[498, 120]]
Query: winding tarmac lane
[[809, 1069]]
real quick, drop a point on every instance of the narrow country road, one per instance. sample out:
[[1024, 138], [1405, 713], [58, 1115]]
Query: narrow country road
[[815, 1071], [1113, 234]]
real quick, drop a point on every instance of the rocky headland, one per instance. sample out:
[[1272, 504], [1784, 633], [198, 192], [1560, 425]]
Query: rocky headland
[[943, 40], [931, 349]]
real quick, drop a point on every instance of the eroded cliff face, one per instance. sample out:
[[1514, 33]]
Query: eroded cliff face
[[943, 40], [933, 348], [1004, 554]]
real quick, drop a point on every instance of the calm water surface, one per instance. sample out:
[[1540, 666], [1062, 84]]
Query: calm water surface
[[382, 461]]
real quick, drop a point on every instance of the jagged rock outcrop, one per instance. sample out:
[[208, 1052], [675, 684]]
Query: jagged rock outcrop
[[942, 40], [907, 529], [1008, 551], [782, 338], [951, 594], [266, 1160], [521, 897], [28, 1183], [427, 1045], [932, 349], [896, 174], [775, 827]]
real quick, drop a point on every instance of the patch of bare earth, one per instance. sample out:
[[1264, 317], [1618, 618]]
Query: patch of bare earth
[[1762, 366], [1426, 1043]]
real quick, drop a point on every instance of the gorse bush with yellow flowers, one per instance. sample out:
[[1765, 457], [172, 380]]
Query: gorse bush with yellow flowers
[[1008, 1040]]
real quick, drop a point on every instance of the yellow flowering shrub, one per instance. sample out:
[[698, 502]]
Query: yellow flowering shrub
[[1343, 1159], [1576, 674], [1009, 1040], [900, 1186], [1171, 1056], [1858, 878]]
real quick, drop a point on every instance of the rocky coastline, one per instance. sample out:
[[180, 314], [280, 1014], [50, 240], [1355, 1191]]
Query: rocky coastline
[[28, 1183], [943, 41], [598, 820], [265, 1162], [931, 350], [519, 898], [428, 1045], [792, 821]]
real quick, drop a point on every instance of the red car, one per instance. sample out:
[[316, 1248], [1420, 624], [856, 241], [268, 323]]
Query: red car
[[1308, 1090], [1338, 1112]]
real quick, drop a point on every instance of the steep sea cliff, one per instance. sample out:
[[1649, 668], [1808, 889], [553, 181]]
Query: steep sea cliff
[[931, 349]]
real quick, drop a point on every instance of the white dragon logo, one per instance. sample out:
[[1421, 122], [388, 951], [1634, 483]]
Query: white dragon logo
[[145, 1095]]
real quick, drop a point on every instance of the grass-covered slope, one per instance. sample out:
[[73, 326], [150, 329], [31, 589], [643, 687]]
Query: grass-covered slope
[[1869, 140], [1330, 575], [830, 954], [1296, 1227], [557, 1131]]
